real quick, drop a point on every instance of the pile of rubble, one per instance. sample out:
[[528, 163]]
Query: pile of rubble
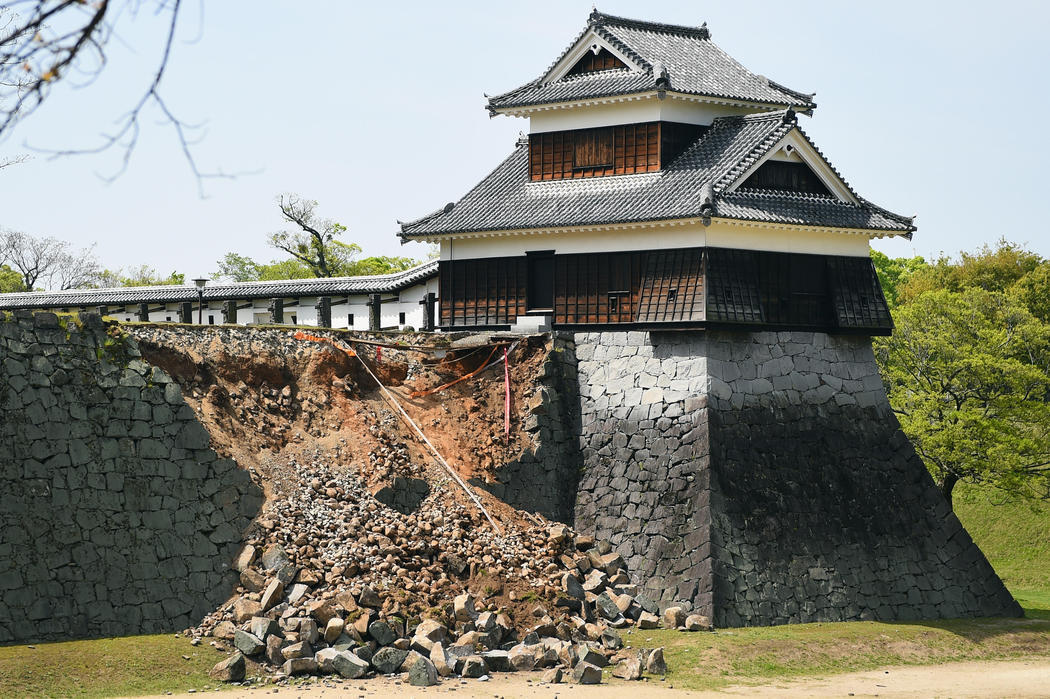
[[335, 581], [359, 632]]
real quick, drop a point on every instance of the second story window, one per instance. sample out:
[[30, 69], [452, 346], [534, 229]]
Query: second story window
[[593, 148]]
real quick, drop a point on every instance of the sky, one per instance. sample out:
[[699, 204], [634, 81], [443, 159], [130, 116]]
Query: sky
[[377, 112]]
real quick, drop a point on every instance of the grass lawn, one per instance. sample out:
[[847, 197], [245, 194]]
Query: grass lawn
[[1016, 539], [757, 655], [106, 667]]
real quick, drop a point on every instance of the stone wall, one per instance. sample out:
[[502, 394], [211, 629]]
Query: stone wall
[[543, 477], [116, 517], [644, 485], [761, 478]]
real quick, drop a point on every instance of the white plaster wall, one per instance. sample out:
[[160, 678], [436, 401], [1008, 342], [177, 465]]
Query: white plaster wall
[[718, 234], [641, 110], [304, 311]]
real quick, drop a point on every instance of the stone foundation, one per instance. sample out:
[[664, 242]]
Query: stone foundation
[[761, 478], [116, 516]]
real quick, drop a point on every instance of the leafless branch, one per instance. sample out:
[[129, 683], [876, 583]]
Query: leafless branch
[[50, 38]]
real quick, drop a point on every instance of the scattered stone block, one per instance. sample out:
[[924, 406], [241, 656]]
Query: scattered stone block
[[572, 586], [655, 664], [585, 673], [244, 609], [244, 558], [229, 670], [552, 676], [673, 617], [473, 666], [224, 630], [697, 622], [388, 660], [498, 661], [423, 673], [300, 649], [248, 643], [333, 629], [444, 663], [299, 666], [347, 664], [648, 621], [382, 633], [261, 627], [369, 598], [628, 669]]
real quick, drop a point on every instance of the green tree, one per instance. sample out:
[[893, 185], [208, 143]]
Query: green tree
[[314, 250], [10, 281], [968, 374], [238, 268], [1033, 290], [143, 275], [991, 269], [315, 242], [894, 272]]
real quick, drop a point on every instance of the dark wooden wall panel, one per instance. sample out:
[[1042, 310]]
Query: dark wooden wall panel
[[686, 285], [612, 150], [594, 62], [673, 287], [482, 292]]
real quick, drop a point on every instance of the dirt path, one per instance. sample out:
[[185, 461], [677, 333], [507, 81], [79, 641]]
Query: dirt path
[[1014, 678], [1007, 678]]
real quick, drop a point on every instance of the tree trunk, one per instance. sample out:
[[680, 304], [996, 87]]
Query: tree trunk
[[947, 485]]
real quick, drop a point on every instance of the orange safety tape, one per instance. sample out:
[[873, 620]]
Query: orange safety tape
[[300, 335], [419, 394]]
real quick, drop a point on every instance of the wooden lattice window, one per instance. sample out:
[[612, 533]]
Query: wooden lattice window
[[593, 62], [593, 148], [786, 177]]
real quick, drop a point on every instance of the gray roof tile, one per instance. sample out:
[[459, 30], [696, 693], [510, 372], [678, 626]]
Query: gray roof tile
[[335, 286], [507, 200], [695, 65]]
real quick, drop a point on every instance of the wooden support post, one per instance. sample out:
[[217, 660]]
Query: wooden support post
[[429, 304], [324, 311], [229, 312], [375, 312], [276, 309]]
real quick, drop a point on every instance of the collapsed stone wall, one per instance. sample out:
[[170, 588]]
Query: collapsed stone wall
[[762, 478], [116, 516], [542, 478]]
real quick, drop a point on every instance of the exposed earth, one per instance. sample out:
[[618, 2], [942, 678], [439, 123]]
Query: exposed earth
[[370, 553]]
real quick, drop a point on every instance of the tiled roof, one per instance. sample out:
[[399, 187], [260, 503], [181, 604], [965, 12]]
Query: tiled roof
[[334, 286], [695, 184], [692, 63]]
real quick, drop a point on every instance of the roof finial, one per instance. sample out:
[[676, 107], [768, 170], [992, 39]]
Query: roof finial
[[595, 15], [789, 116], [705, 33], [662, 77]]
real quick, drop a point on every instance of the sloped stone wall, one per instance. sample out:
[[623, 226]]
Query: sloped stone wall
[[115, 516], [644, 484], [761, 478]]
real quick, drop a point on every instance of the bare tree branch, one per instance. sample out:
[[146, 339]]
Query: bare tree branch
[[48, 39], [311, 244], [48, 259]]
